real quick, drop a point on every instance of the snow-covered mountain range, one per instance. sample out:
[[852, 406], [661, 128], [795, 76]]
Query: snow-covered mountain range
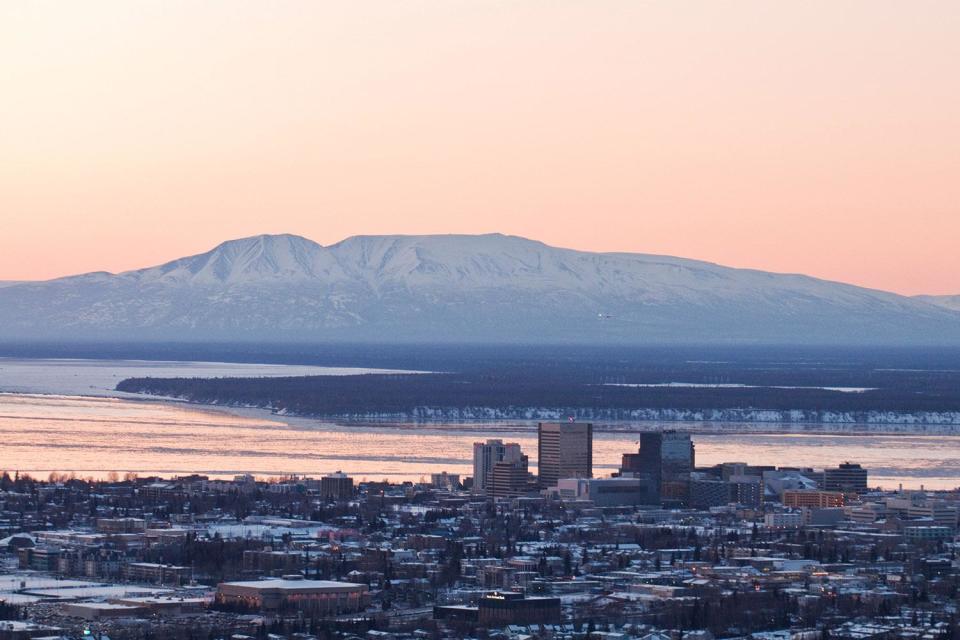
[[460, 288]]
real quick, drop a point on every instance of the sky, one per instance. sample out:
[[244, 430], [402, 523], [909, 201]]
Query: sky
[[820, 137]]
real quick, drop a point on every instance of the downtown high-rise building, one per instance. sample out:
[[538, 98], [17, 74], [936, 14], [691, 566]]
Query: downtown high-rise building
[[667, 458], [564, 450], [509, 479], [486, 455]]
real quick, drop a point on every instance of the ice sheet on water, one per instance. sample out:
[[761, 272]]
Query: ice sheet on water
[[100, 377]]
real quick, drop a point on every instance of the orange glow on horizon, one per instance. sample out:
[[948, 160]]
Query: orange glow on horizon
[[817, 137]]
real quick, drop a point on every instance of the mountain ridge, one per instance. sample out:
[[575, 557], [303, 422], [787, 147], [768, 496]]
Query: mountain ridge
[[489, 287], [951, 302]]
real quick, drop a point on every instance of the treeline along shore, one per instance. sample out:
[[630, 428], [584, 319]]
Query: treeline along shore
[[525, 392]]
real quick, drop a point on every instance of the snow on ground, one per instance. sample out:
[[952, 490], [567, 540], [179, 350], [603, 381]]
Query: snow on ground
[[697, 385]]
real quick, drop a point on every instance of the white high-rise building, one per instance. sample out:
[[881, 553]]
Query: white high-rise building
[[485, 455]]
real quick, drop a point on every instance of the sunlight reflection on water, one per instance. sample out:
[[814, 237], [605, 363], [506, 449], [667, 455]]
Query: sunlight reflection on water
[[93, 436]]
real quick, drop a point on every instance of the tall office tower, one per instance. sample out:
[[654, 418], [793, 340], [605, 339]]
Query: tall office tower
[[564, 450], [509, 479], [486, 455], [847, 477], [667, 458]]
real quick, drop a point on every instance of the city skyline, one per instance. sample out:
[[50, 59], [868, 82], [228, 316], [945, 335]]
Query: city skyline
[[504, 320]]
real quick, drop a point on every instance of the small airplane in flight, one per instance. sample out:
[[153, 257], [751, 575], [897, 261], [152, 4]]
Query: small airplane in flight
[[604, 316]]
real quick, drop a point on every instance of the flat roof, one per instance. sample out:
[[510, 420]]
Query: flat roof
[[161, 600], [291, 585], [101, 606]]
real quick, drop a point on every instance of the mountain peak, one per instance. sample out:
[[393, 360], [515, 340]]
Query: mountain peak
[[266, 240], [265, 256]]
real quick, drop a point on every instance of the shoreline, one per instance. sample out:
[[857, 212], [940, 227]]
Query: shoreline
[[523, 425], [512, 425]]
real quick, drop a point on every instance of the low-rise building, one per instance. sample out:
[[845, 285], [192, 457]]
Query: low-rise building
[[323, 597], [813, 499], [503, 608], [609, 492], [932, 532], [155, 573], [783, 520]]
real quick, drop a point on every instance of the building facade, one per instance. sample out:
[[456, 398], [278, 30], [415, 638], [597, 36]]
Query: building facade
[[667, 458], [509, 479], [323, 597], [708, 491], [564, 450], [486, 455], [336, 486], [846, 477], [813, 499], [608, 492]]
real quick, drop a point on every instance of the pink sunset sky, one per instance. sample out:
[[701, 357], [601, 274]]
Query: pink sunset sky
[[820, 137]]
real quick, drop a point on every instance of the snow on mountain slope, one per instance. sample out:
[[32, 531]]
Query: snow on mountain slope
[[947, 302], [458, 287]]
